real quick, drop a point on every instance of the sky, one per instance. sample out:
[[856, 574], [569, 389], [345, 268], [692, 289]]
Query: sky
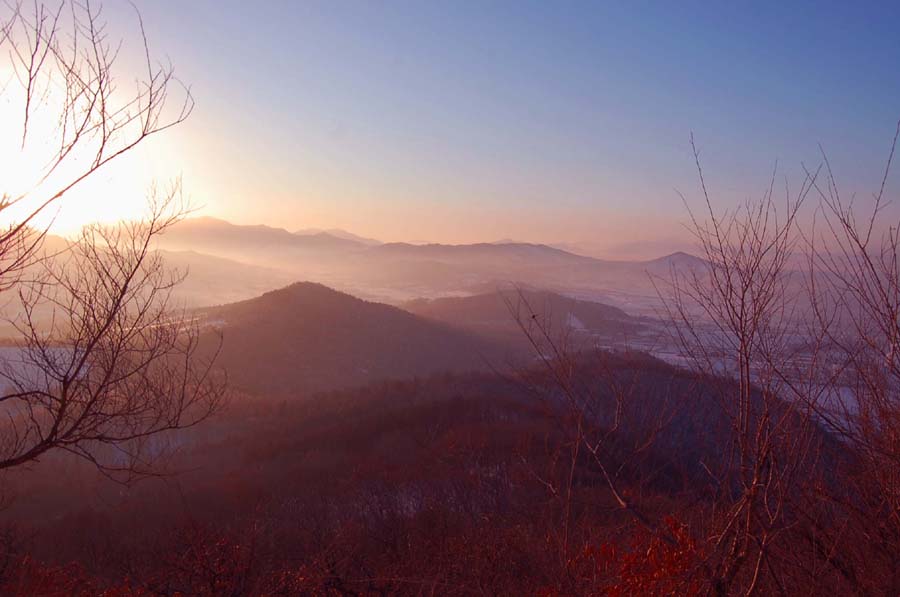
[[546, 122]]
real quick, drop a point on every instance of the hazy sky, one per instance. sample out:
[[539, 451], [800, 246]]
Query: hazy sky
[[548, 121]]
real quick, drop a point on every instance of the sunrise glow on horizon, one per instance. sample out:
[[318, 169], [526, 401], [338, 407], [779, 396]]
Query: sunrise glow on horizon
[[471, 124]]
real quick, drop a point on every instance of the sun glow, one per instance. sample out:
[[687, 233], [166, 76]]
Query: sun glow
[[114, 192]]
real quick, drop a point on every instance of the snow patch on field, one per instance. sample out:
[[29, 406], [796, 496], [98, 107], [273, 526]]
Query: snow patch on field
[[576, 324]]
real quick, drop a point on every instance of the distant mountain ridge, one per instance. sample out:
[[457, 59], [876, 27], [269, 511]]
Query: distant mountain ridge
[[213, 232], [520, 251], [678, 258], [338, 233], [216, 231], [394, 272]]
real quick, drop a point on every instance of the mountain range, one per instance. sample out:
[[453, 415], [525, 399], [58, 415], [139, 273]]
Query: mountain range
[[396, 272]]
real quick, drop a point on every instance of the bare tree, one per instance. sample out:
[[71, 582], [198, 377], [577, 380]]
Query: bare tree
[[109, 365], [117, 363], [791, 328], [738, 321], [855, 256]]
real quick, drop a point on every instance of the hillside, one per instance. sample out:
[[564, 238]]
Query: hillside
[[307, 337], [495, 315], [448, 469]]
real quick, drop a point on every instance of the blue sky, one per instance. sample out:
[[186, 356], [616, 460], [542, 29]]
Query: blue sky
[[470, 121]]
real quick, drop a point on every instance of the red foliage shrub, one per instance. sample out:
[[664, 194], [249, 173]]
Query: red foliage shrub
[[648, 563]]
